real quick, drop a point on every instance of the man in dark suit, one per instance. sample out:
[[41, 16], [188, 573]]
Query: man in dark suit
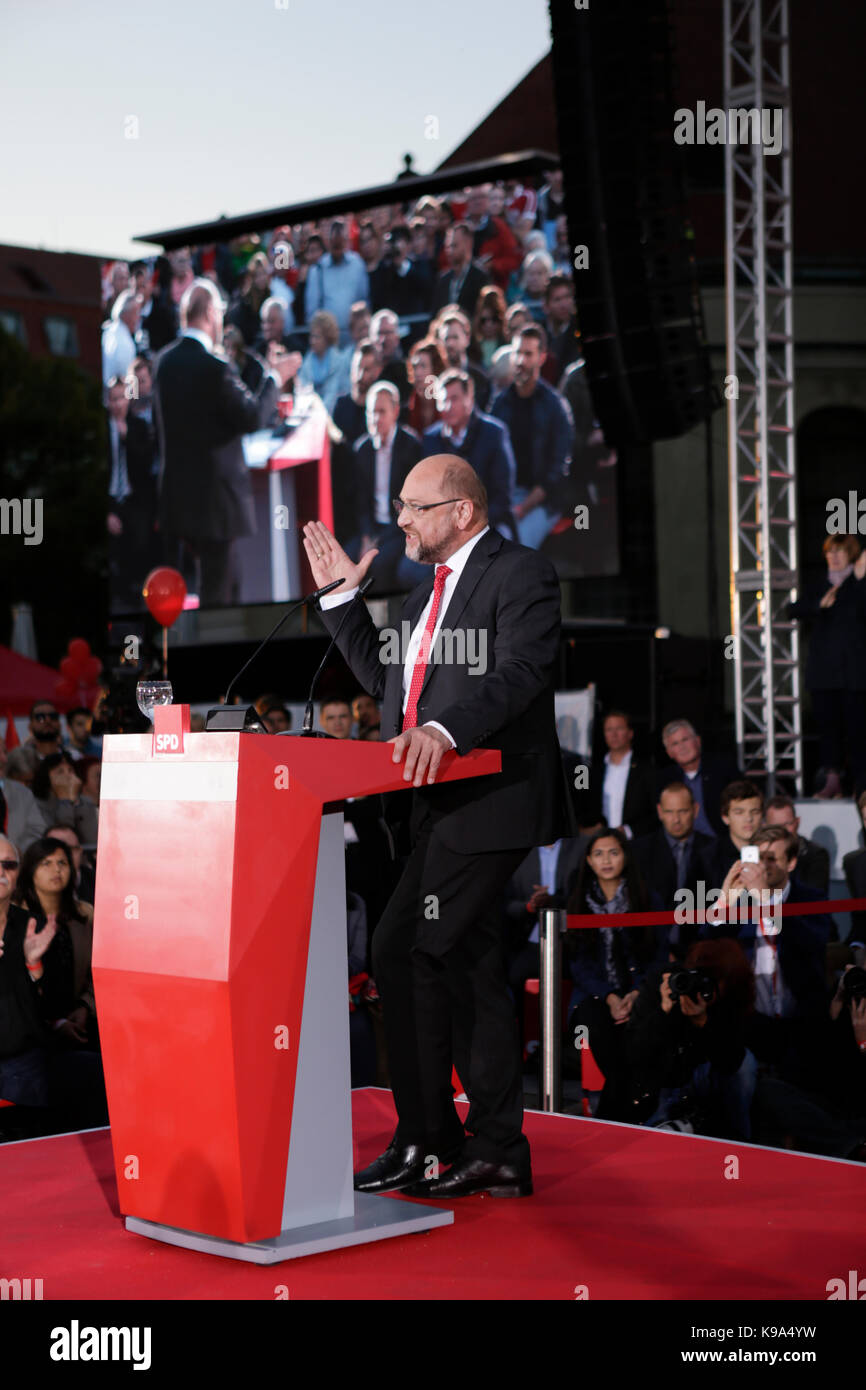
[[479, 439], [382, 458], [463, 283], [787, 954], [705, 773], [742, 810], [675, 857], [437, 951], [813, 860], [203, 411], [350, 417], [622, 787]]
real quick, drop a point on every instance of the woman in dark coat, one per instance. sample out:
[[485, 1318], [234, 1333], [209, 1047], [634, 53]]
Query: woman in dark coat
[[836, 664]]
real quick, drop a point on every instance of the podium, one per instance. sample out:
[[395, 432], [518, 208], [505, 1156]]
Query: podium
[[221, 981]]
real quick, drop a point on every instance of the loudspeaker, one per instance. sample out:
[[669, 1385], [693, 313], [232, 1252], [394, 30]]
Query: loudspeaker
[[639, 309]]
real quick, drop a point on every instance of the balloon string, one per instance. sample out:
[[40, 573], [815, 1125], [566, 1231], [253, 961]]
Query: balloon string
[[165, 653]]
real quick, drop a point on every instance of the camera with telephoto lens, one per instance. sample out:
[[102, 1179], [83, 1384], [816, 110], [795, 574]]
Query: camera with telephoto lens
[[854, 985], [693, 984]]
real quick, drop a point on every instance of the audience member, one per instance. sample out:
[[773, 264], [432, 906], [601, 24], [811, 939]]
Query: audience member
[[79, 742], [21, 765], [20, 816], [324, 365], [454, 333], [341, 280], [813, 860], [366, 714], [854, 867], [424, 367], [488, 325], [385, 332], [494, 247], [462, 283], [622, 790], [118, 336], [335, 717], [532, 283], [57, 788], [835, 674], [541, 430], [741, 807], [44, 726], [705, 773], [480, 440], [406, 291], [383, 458], [560, 319], [676, 857], [83, 872]]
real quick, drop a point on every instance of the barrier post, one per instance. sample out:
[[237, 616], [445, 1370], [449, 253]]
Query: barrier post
[[552, 925]]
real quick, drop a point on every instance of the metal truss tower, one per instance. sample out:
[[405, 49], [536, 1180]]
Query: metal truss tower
[[760, 357]]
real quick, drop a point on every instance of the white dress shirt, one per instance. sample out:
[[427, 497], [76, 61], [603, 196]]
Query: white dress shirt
[[613, 791], [456, 564], [382, 487]]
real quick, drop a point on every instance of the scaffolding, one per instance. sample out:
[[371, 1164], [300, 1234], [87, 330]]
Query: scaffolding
[[760, 392]]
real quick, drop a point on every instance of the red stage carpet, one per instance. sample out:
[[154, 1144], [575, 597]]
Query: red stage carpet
[[628, 1213]]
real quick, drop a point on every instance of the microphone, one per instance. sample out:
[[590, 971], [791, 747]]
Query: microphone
[[240, 717], [308, 731]]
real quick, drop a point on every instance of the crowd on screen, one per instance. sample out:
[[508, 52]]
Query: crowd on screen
[[443, 325], [763, 1038]]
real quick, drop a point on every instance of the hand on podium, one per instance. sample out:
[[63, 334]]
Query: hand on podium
[[329, 561]]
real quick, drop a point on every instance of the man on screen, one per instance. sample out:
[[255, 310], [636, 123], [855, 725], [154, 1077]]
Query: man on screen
[[203, 411], [437, 952]]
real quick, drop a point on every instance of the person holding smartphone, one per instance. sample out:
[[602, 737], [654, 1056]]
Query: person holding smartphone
[[788, 1030]]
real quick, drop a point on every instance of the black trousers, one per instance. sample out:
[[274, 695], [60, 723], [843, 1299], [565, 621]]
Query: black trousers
[[438, 965]]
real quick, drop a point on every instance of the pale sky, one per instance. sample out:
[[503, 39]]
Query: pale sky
[[238, 104]]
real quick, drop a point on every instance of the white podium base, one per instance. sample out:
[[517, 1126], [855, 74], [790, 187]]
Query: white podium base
[[375, 1218]]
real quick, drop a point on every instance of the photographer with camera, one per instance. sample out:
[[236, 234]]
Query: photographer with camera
[[686, 1063]]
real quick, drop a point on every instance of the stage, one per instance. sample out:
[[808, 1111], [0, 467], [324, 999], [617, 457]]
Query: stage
[[618, 1213]]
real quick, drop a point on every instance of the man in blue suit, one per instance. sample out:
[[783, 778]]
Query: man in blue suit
[[479, 439]]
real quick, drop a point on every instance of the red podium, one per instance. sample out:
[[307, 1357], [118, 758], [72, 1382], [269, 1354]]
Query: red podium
[[219, 965]]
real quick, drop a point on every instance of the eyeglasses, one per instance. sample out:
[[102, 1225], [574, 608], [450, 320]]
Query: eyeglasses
[[38, 718], [10, 865], [415, 507]]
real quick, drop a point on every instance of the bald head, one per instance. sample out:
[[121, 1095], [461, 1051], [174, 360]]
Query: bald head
[[434, 534]]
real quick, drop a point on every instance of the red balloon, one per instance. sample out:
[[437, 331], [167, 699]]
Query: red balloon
[[79, 650], [164, 592], [65, 690], [69, 668], [92, 668]]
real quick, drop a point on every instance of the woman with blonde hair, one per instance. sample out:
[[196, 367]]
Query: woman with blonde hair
[[324, 367]]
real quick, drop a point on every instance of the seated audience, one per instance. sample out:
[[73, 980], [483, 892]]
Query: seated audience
[[705, 773], [686, 1063], [20, 816], [674, 858], [58, 787], [424, 368], [324, 365], [813, 860], [742, 810], [44, 726], [21, 765], [494, 246], [54, 1087], [385, 332], [79, 742], [453, 332], [608, 964], [621, 791], [540, 428], [84, 874], [45, 889], [786, 954], [464, 280], [488, 325], [560, 320], [478, 439]]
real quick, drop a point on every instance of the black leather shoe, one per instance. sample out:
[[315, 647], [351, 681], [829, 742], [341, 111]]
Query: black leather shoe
[[472, 1175], [396, 1168]]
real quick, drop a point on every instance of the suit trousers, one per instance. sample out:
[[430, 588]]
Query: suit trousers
[[438, 964]]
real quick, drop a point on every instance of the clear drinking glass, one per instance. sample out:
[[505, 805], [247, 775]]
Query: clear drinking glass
[[150, 693]]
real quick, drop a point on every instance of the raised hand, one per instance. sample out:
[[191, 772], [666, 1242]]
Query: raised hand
[[329, 561], [37, 943]]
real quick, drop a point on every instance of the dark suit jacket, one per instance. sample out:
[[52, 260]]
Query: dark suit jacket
[[813, 865], [655, 860], [639, 806], [405, 454], [715, 774], [474, 283], [203, 410], [522, 885], [512, 595], [854, 865]]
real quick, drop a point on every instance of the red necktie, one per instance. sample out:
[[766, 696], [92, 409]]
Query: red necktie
[[410, 718]]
